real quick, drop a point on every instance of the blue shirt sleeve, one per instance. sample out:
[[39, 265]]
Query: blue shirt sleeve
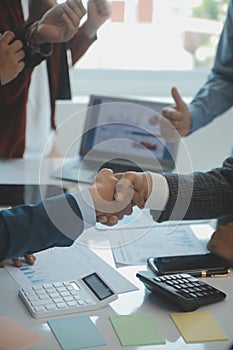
[[216, 96]]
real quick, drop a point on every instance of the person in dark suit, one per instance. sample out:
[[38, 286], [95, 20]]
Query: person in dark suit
[[185, 197], [59, 220]]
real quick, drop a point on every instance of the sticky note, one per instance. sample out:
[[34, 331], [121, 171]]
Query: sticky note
[[76, 333], [145, 10], [136, 329], [14, 336], [198, 327], [118, 11]]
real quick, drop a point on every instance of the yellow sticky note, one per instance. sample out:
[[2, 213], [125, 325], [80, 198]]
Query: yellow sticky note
[[198, 327]]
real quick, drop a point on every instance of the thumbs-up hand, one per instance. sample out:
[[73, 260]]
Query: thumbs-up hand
[[177, 120]]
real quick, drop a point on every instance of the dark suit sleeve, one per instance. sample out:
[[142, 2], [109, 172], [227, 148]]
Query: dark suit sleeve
[[44, 225], [200, 195]]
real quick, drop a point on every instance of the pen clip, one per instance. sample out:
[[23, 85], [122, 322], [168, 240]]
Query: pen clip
[[223, 273]]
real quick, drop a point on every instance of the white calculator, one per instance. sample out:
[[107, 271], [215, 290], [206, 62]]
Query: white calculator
[[53, 299]]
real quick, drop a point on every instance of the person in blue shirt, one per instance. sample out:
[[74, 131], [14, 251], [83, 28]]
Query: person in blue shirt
[[216, 96], [213, 99]]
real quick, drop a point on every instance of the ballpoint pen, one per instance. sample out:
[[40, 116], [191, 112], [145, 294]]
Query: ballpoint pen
[[210, 273]]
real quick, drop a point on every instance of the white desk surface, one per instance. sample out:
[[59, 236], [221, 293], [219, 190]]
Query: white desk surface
[[21, 171]]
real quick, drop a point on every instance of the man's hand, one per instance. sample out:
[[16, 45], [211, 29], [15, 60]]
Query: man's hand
[[140, 183], [60, 23], [178, 120], [11, 55], [28, 259], [98, 11], [108, 210], [221, 243]]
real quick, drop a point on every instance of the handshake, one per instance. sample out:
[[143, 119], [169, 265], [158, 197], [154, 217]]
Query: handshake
[[114, 195]]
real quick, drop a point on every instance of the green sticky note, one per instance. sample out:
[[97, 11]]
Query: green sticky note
[[136, 329], [76, 333]]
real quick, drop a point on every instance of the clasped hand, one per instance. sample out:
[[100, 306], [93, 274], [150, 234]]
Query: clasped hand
[[114, 195], [60, 23]]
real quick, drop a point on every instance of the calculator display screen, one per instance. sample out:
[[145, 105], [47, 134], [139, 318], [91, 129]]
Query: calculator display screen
[[98, 286]]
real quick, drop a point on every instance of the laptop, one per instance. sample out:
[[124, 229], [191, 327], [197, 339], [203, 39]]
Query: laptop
[[122, 134]]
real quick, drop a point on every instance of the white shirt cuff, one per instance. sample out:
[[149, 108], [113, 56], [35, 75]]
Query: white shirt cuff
[[86, 206], [159, 193]]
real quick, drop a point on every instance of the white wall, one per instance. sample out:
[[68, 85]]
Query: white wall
[[207, 147]]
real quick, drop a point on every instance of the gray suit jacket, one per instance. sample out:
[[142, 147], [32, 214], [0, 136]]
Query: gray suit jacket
[[199, 195]]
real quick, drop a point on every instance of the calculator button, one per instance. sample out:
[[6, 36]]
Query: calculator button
[[39, 308], [57, 300], [157, 279], [57, 285], [50, 307], [69, 298], [50, 290], [54, 295], [66, 284], [41, 302], [43, 296], [61, 289], [61, 305], [40, 291], [72, 303], [29, 292], [32, 298], [170, 283], [74, 292]]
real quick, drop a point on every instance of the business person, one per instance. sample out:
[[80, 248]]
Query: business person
[[58, 24], [184, 197], [58, 221], [215, 96], [213, 99]]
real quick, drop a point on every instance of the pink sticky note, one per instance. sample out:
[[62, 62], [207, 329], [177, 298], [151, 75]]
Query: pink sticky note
[[14, 336], [118, 11], [145, 10]]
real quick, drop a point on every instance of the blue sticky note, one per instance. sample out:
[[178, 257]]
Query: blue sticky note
[[76, 333]]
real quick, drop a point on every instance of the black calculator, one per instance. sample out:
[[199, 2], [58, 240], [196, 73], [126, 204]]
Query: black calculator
[[184, 290]]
